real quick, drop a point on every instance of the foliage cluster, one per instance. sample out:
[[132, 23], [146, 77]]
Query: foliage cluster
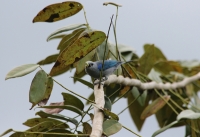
[[80, 43]]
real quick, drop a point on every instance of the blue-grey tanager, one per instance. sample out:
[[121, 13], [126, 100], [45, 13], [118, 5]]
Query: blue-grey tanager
[[94, 68]]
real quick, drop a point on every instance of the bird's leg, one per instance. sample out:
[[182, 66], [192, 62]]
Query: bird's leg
[[102, 80]]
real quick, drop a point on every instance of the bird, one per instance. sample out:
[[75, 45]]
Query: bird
[[94, 68]]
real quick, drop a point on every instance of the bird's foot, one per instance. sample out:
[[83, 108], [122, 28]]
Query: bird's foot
[[97, 81]]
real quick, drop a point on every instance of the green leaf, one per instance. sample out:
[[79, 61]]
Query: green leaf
[[64, 29], [142, 99], [108, 103], [164, 116], [48, 60], [87, 129], [35, 121], [42, 114], [57, 37], [48, 91], [90, 85], [111, 127], [164, 128], [21, 70], [155, 76], [136, 110], [165, 67], [111, 114], [126, 51], [38, 88], [72, 100], [149, 58], [188, 114], [58, 131], [69, 39], [6, 132], [100, 50], [80, 75], [112, 88], [79, 49], [58, 11], [41, 126], [91, 97], [155, 106], [68, 107]]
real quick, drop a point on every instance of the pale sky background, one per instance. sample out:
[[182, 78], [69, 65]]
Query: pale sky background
[[173, 26]]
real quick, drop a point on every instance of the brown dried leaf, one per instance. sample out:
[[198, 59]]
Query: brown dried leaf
[[56, 110], [154, 106]]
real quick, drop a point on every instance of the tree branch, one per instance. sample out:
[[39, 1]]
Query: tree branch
[[98, 114], [150, 85], [99, 95]]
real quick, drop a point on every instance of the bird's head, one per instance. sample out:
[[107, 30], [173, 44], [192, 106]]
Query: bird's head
[[89, 64]]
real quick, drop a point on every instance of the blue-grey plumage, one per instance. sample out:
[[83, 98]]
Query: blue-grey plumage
[[94, 68]]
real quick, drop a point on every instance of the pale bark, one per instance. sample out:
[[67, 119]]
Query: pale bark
[[97, 128], [151, 85], [98, 114]]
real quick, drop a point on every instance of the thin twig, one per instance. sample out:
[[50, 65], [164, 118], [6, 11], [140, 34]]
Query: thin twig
[[50, 133], [128, 105], [166, 101], [82, 118], [131, 131], [174, 102], [86, 18], [68, 89], [105, 52]]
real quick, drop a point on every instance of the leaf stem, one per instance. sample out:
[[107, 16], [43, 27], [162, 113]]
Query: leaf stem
[[166, 101], [82, 117], [174, 102], [86, 18], [68, 89], [105, 52], [46, 133], [131, 131], [128, 105], [121, 97]]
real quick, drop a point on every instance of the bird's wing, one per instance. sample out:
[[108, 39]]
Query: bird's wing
[[108, 64]]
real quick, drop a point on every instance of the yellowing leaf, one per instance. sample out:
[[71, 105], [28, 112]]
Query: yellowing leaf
[[124, 90], [70, 39], [58, 11], [79, 49], [80, 65], [154, 106], [130, 70], [149, 58], [166, 67]]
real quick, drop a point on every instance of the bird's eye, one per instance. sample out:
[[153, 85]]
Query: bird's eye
[[91, 64]]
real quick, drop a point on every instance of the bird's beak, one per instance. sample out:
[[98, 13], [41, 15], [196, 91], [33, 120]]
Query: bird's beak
[[86, 64]]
